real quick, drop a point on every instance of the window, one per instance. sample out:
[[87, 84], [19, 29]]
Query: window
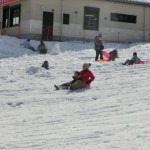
[[65, 18], [123, 18], [91, 18], [5, 17], [15, 15]]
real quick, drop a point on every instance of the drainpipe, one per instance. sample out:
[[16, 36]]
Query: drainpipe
[[61, 21], [1, 20], [144, 23]]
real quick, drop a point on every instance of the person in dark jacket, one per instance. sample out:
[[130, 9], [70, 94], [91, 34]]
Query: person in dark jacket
[[99, 46], [42, 48], [133, 60], [113, 55], [45, 65]]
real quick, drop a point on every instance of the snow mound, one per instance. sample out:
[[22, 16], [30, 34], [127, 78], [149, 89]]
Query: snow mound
[[33, 70], [56, 49]]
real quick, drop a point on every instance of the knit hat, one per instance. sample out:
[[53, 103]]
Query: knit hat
[[77, 72], [45, 62], [100, 34], [87, 65]]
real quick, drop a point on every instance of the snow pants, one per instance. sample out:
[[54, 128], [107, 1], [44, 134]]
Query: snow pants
[[98, 52], [77, 85]]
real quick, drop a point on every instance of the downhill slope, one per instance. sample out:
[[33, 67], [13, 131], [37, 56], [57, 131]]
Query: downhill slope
[[112, 115]]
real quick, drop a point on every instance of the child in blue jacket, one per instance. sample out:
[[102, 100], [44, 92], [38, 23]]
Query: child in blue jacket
[[26, 44], [133, 60]]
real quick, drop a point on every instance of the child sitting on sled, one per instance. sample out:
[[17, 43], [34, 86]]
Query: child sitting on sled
[[113, 55], [80, 79], [133, 60], [68, 85]]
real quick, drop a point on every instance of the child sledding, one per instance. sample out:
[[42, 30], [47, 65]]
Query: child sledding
[[81, 79], [111, 56], [133, 60]]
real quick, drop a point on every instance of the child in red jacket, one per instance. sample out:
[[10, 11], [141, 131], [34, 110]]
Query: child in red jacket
[[80, 79], [86, 77]]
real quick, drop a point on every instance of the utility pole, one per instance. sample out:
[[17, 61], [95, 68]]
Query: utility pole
[[61, 20]]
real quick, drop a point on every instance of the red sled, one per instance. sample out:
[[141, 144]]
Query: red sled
[[106, 54], [142, 62]]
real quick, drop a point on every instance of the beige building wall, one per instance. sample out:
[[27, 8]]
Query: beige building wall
[[111, 30], [32, 20], [147, 24], [38, 6], [25, 19]]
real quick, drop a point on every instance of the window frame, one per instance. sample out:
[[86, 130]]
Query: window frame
[[14, 15], [123, 18], [5, 16], [91, 18], [66, 19]]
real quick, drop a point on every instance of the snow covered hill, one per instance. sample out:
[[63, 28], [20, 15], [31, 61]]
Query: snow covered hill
[[112, 115]]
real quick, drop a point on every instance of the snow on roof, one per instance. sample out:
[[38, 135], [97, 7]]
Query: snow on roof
[[137, 2]]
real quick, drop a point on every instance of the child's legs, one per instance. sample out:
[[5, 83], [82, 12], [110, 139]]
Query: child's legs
[[101, 54], [130, 62], [127, 61], [78, 84], [65, 85], [97, 54]]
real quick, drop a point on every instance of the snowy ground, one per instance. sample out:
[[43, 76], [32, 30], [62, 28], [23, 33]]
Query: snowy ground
[[112, 115]]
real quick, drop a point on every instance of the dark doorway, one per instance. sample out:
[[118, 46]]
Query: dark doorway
[[47, 31], [5, 22]]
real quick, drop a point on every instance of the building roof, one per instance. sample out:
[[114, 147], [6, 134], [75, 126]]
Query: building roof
[[136, 2]]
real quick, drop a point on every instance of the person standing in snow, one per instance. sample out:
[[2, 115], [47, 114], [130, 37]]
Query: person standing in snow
[[26, 44], [99, 46], [133, 60]]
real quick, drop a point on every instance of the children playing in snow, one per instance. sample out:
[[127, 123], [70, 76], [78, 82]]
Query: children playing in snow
[[113, 55], [133, 60], [81, 79]]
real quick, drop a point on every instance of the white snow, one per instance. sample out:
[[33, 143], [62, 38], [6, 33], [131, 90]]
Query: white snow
[[112, 115]]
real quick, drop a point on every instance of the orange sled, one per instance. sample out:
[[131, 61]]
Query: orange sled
[[102, 60]]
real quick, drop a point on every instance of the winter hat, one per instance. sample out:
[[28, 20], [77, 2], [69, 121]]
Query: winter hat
[[100, 34], [45, 62], [42, 42], [87, 65], [77, 72]]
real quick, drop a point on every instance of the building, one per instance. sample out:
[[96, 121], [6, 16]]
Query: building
[[117, 20]]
